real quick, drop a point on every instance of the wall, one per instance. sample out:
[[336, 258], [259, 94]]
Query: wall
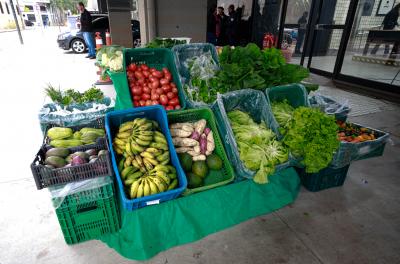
[[181, 18], [7, 18]]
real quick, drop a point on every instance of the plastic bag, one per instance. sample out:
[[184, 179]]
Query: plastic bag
[[255, 104], [349, 152], [74, 114], [195, 61], [60, 192], [330, 106]]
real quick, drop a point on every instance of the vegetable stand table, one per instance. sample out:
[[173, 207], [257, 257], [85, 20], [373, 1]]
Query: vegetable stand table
[[148, 231]]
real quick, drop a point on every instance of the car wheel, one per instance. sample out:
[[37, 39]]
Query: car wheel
[[78, 46], [137, 43]]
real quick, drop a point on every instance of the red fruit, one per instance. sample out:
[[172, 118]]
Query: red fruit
[[154, 102], [142, 103], [146, 96], [149, 102], [137, 90], [146, 73], [136, 103], [132, 67], [168, 76], [172, 84], [159, 91], [175, 90], [146, 90], [154, 84], [136, 98], [139, 75], [169, 107], [170, 95], [174, 101], [166, 88], [163, 81], [177, 107], [141, 81], [152, 70], [144, 67], [155, 96], [163, 99], [157, 74]]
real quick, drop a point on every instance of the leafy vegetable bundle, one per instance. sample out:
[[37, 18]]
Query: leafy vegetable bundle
[[310, 135], [258, 148], [164, 43], [71, 96], [110, 57]]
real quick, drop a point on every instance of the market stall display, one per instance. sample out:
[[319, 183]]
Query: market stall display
[[166, 42], [200, 150], [86, 209], [160, 141]]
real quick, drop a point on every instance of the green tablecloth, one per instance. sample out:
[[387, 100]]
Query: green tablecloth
[[150, 230]]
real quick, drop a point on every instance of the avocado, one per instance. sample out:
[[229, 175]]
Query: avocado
[[194, 181], [55, 161], [214, 162], [59, 152], [186, 161], [200, 168]]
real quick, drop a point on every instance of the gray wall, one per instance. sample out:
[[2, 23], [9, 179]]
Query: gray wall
[[181, 18]]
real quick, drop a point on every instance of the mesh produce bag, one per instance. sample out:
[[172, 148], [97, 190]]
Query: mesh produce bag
[[330, 106]]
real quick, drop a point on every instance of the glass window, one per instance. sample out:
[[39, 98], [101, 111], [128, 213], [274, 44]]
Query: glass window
[[8, 11], [373, 52], [43, 9], [31, 17], [28, 8]]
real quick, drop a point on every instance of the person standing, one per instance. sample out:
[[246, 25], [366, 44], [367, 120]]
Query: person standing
[[231, 26], [389, 23], [86, 29], [221, 26], [301, 32], [211, 25]]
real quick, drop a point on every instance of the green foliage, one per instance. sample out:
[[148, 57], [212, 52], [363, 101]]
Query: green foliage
[[258, 148], [67, 4], [312, 136], [283, 113], [164, 43], [71, 96]]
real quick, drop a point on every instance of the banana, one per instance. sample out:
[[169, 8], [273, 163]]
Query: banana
[[172, 176], [135, 163], [128, 161], [171, 169], [143, 169], [161, 140], [153, 186], [155, 124], [128, 148], [119, 141], [165, 162], [119, 151], [135, 175], [129, 181], [146, 155], [148, 165], [152, 161], [139, 121], [136, 148], [163, 176], [145, 133], [126, 171], [160, 184], [121, 164], [152, 150], [143, 143], [139, 160], [146, 188], [134, 188], [173, 184], [161, 168], [146, 127], [125, 126], [163, 156], [145, 138], [159, 134], [158, 145], [140, 190], [123, 135]]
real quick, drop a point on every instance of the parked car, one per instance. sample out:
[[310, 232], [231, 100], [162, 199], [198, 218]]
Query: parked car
[[74, 39], [28, 23]]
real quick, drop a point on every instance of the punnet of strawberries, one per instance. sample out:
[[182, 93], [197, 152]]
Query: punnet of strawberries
[[150, 86]]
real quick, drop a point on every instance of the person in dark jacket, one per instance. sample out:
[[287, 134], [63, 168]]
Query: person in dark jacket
[[86, 29], [231, 25], [211, 25], [389, 23], [301, 32], [221, 26]]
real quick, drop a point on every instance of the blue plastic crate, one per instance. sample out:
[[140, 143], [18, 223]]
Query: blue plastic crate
[[157, 113]]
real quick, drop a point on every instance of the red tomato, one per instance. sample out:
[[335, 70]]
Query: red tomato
[[136, 98], [177, 107], [144, 67], [139, 75], [166, 88], [172, 84], [163, 81], [142, 103], [146, 90], [169, 107], [132, 67], [154, 84], [155, 102], [157, 74], [165, 70], [170, 95], [163, 99], [159, 91], [174, 101], [137, 90], [136, 103], [152, 70], [146, 96], [152, 78], [141, 81], [155, 96], [175, 90], [130, 74], [168, 76], [149, 102], [146, 73]]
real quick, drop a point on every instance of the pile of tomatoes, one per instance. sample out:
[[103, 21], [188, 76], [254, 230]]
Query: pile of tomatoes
[[152, 87], [351, 133]]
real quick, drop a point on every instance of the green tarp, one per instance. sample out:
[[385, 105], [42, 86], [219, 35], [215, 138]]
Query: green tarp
[[153, 229]]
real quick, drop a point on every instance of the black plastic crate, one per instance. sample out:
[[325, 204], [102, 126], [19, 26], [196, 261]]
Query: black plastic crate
[[324, 179], [45, 177]]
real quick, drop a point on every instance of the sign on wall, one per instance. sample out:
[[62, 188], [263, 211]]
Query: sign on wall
[[384, 7]]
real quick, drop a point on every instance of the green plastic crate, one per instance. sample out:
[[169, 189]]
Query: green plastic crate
[[295, 94], [324, 179], [156, 58], [123, 99], [88, 214], [214, 178]]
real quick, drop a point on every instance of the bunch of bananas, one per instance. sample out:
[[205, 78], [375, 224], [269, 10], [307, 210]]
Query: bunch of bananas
[[145, 157]]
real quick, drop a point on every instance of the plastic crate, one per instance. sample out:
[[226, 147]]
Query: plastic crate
[[349, 152], [157, 58], [214, 178], [157, 113], [324, 179], [45, 177], [254, 103], [330, 106], [88, 214], [295, 94], [185, 51]]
